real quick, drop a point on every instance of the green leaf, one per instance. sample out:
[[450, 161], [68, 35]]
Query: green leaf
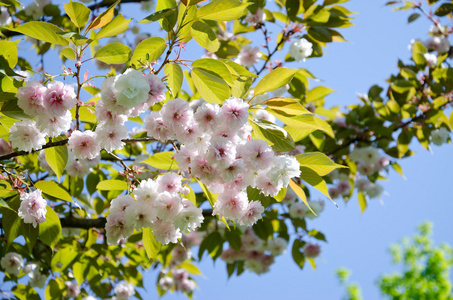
[[57, 158], [274, 80], [25, 292], [300, 193], [42, 31], [330, 2], [116, 27], [234, 239], [11, 221], [281, 195], [103, 18], [213, 244], [63, 258], [318, 162], [320, 34], [413, 17], [174, 75], [211, 87], [162, 160], [190, 268], [312, 262], [286, 107], [8, 49], [215, 66], [222, 10], [30, 234], [444, 9], [205, 36], [168, 22], [53, 290], [152, 246], [418, 51], [306, 122], [298, 256], [316, 181], [78, 13], [212, 198], [318, 93], [362, 202], [50, 230], [151, 48], [51, 188], [240, 70], [317, 235], [158, 15], [12, 110], [114, 53], [112, 185], [451, 120], [277, 137], [68, 53]]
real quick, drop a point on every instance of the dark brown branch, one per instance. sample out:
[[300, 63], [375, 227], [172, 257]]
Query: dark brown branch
[[71, 222], [64, 142], [402, 125]]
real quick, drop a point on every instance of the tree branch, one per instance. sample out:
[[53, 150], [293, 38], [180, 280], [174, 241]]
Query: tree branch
[[71, 222], [64, 142]]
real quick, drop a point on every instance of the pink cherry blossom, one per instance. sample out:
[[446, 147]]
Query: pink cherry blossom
[[30, 97], [234, 112], [84, 144], [59, 98], [25, 136], [33, 208]]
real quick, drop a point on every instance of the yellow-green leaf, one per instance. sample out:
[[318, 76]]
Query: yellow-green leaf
[[51, 188], [211, 87], [152, 246], [318, 162], [222, 10], [274, 80], [42, 31], [162, 160], [112, 185], [277, 137], [57, 158], [205, 36], [78, 13], [300, 193], [362, 202], [215, 66], [103, 18], [114, 53], [117, 26], [174, 75], [190, 268], [151, 48], [50, 230]]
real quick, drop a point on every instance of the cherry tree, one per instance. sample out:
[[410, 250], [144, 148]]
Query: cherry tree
[[135, 156]]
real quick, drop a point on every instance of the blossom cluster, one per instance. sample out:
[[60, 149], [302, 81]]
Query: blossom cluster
[[216, 148], [257, 254], [13, 264], [50, 108], [158, 205], [33, 208], [369, 161], [125, 95], [175, 277]]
